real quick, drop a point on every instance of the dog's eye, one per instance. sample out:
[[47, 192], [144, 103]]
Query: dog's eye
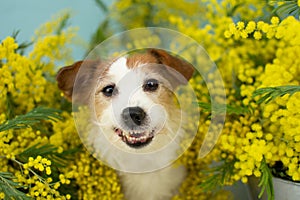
[[150, 85], [108, 90]]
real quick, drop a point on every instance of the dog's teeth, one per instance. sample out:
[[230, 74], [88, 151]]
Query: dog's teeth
[[134, 137]]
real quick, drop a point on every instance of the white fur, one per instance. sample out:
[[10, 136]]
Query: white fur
[[160, 184], [130, 93], [118, 69]]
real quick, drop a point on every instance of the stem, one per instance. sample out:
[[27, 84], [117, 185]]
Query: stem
[[32, 171], [6, 183], [41, 179]]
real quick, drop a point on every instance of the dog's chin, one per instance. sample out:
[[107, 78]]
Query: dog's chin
[[135, 139]]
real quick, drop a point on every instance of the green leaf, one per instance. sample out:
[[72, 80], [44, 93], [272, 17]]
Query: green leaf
[[32, 117], [63, 24], [289, 7], [220, 175], [36, 150], [101, 34], [205, 106], [9, 187], [22, 46], [48, 151], [10, 106], [222, 109], [101, 5], [270, 93], [231, 10], [266, 182]]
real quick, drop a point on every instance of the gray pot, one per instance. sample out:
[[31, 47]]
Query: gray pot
[[286, 190], [283, 189]]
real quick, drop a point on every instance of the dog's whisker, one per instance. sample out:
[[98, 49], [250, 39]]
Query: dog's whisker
[[170, 130], [115, 139], [100, 124]]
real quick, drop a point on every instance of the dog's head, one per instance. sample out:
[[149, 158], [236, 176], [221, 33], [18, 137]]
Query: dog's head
[[132, 96]]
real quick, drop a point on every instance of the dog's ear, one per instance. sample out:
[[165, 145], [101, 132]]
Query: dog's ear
[[66, 78], [67, 75], [181, 66]]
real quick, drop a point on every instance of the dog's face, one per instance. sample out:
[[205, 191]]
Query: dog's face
[[132, 103], [133, 97]]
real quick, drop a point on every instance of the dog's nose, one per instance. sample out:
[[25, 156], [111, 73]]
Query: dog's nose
[[133, 116]]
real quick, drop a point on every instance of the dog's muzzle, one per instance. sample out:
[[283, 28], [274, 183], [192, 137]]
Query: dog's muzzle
[[135, 135]]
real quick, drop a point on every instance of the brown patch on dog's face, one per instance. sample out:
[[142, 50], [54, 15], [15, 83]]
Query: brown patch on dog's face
[[102, 101], [173, 65], [138, 59], [178, 64], [85, 74]]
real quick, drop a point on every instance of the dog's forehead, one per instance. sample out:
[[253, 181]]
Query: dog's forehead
[[131, 69], [119, 69]]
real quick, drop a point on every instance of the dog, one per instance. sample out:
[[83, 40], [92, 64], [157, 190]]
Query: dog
[[134, 105]]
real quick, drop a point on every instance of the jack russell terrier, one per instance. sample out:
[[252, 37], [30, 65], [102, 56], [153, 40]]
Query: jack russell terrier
[[134, 104]]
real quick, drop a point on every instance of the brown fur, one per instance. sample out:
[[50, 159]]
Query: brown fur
[[159, 56], [86, 80], [93, 70], [181, 66], [137, 59], [66, 78], [101, 101]]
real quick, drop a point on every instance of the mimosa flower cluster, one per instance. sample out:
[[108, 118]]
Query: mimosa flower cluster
[[271, 131], [251, 49], [28, 81]]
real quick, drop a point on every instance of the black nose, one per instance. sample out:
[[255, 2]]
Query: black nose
[[133, 116]]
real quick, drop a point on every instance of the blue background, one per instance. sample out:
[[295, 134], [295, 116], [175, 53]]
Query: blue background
[[28, 15]]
